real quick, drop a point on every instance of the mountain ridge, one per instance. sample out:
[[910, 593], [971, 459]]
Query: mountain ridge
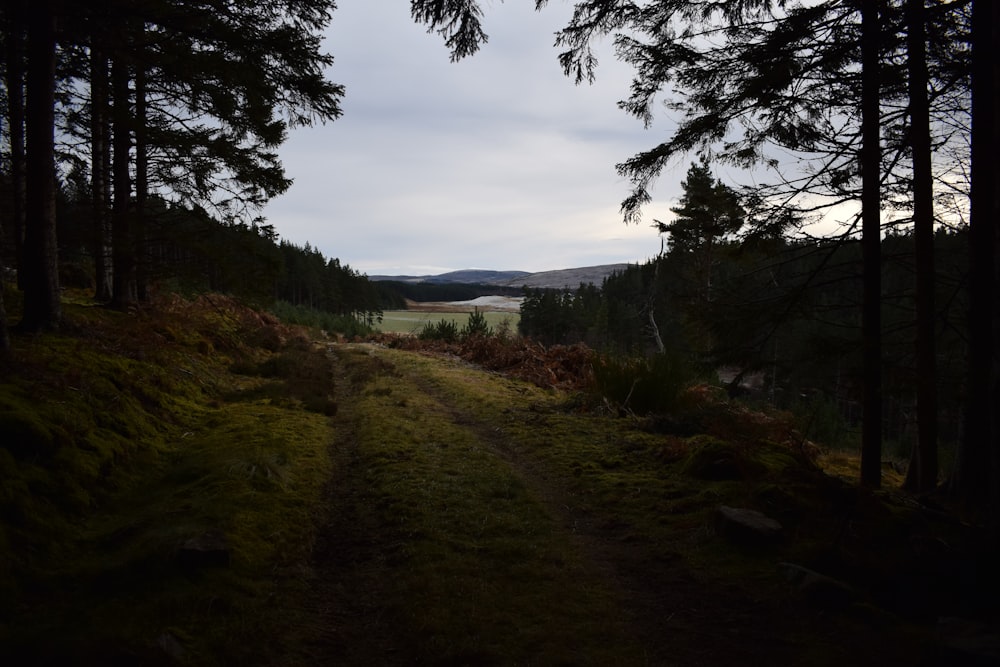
[[555, 279]]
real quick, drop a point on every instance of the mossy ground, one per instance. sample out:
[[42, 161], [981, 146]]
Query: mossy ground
[[124, 436], [386, 507], [493, 522]]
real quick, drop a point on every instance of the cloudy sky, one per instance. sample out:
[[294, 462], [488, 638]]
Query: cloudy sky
[[495, 162]]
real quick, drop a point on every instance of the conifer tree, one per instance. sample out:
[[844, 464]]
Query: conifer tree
[[708, 213], [42, 308]]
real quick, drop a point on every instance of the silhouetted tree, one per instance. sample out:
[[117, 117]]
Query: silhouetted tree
[[977, 474], [42, 309], [923, 470]]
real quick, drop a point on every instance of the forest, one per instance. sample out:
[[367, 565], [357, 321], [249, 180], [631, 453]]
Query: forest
[[778, 321], [166, 417], [159, 123], [140, 139]]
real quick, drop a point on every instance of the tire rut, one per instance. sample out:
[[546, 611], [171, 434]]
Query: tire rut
[[601, 543], [676, 617]]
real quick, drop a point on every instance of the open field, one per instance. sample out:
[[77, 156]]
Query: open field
[[496, 310]]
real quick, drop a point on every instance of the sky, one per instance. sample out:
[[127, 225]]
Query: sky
[[498, 161]]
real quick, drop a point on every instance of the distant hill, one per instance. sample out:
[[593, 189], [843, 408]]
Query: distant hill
[[568, 277], [552, 279], [465, 276]]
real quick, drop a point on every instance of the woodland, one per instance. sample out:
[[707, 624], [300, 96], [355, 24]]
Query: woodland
[[147, 306]]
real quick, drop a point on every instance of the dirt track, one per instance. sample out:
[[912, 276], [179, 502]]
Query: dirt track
[[375, 593]]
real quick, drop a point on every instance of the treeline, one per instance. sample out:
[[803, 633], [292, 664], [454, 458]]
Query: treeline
[[394, 293], [187, 250], [780, 323], [141, 118]]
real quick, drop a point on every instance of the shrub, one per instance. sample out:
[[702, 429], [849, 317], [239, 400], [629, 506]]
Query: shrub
[[476, 326], [444, 330], [347, 325], [643, 385]]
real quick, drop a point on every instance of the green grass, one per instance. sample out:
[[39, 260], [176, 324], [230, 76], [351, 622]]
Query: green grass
[[134, 436], [412, 321], [476, 486], [390, 507], [481, 573]]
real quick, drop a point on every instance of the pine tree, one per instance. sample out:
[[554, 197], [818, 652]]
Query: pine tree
[[709, 212], [42, 308]]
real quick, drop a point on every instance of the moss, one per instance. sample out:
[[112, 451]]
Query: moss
[[27, 437], [713, 459], [132, 438]]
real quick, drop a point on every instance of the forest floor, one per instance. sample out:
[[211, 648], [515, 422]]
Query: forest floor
[[197, 484], [477, 520]]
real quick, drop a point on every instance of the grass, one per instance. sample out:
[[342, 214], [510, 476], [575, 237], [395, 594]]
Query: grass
[[481, 574], [497, 505], [144, 438], [413, 321], [382, 506]]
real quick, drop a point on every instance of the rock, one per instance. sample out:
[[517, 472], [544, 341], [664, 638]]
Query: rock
[[818, 589], [210, 549], [746, 526]]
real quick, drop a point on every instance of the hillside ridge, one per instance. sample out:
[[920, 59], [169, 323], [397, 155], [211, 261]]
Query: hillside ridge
[[556, 279]]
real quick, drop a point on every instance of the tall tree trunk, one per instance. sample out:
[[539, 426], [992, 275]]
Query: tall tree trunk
[[977, 470], [100, 157], [993, 89], [15, 109], [971, 478], [42, 309], [4, 336], [123, 246], [923, 471], [141, 185], [871, 232]]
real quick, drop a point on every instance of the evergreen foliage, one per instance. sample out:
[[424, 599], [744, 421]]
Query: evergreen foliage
[[476, 326], [153, 103], [784, 321], [442, 330]]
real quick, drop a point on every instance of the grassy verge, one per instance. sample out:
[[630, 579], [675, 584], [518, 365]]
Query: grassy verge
[[132, 441], [474, 570]]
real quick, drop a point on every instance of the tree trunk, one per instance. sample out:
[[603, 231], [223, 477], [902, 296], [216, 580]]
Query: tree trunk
[[971, 480], [42, 309], [871, 231], [122, 243], [650, 306], [15, 107], [141, 185], [923, 471], [977, 470], [4, 337], [100, 157]]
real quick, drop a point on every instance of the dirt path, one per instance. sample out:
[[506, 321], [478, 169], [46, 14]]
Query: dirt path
[[455, 536]]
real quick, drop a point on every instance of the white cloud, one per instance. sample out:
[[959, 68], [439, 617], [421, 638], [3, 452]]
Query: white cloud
[[497, 161]]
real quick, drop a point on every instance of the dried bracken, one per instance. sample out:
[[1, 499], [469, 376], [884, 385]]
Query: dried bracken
[[568, 367]]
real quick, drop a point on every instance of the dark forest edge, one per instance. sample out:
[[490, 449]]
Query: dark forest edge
[[780, 329]]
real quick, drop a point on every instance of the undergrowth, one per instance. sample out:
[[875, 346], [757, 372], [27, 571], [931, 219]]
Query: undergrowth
[[126, 436], [345, 325]]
